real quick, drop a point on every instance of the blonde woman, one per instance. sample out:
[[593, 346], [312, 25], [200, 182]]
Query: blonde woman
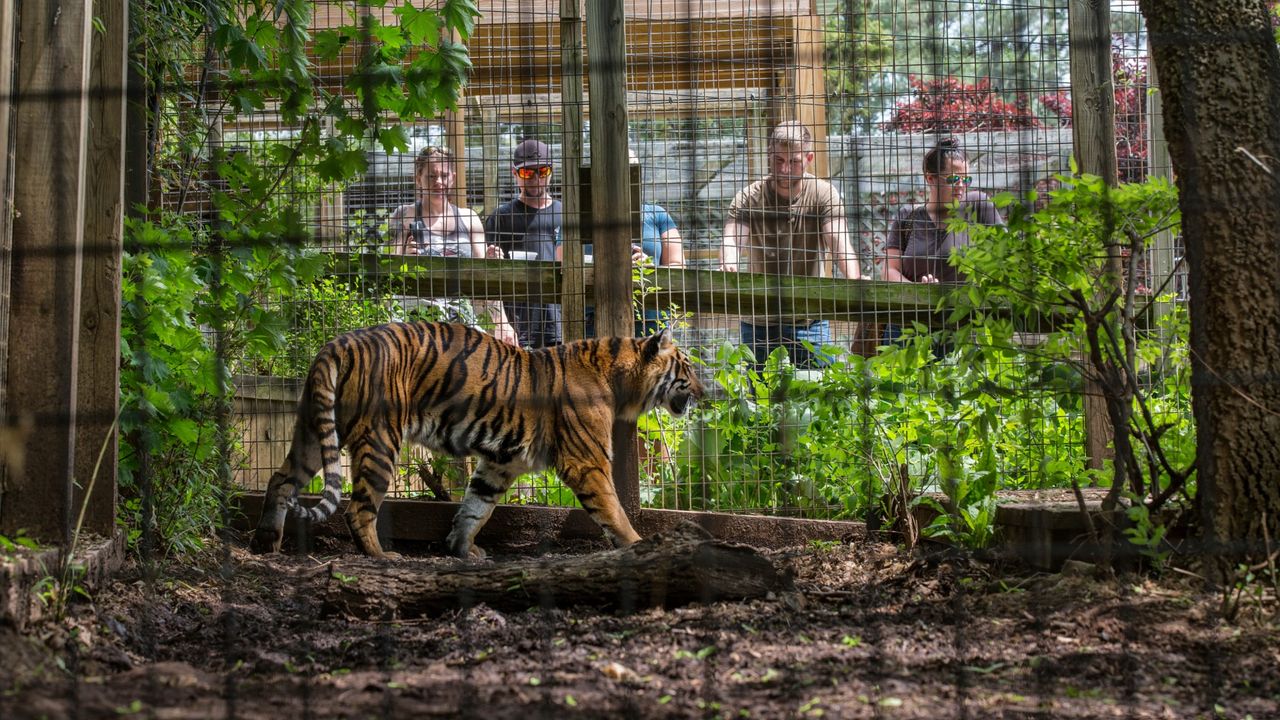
[[432, 225]]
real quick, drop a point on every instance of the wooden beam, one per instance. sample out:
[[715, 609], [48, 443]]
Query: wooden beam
[[705, 291], [573, 296], [98, 400], [455, 132], [611, 212], [1094, 136], [50, 134], [808, 86], [690, 55], [493, 165], [681, 566], [8, 11], [525, 525]]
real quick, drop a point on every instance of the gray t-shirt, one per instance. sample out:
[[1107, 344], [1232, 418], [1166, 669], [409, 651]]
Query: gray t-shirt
[[926, 244], [518, 226], [786, 233]]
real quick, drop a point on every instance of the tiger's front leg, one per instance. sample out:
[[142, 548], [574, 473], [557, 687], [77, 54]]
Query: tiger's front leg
[[592, 482], [488, 484]]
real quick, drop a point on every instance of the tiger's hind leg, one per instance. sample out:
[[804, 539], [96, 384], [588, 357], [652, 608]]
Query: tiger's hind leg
[[299, 467], [488, 484], [592, 483], [373, 467]]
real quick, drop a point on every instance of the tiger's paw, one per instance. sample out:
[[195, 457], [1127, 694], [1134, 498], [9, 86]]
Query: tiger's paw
[[265, 540], [389, 556], [473, 554]]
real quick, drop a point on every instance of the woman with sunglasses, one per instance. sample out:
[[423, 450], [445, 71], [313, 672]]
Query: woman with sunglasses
[[432, 225], [919, 242]]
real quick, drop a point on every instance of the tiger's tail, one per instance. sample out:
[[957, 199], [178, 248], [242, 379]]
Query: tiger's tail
[[317, 410]]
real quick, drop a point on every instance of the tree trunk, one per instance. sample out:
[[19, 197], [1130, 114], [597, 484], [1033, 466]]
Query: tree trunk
[[680, 566], [1219, 71]]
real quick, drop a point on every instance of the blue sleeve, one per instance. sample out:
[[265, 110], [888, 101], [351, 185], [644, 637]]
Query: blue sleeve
[[662, 220]]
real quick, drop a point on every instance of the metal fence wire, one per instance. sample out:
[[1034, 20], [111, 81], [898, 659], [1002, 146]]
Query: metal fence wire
[[875, 420], [706, 83]]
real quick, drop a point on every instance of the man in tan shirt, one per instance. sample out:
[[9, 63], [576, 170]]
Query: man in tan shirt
[[790, 223]]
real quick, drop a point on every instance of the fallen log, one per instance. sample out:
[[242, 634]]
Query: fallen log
[[678, 567]]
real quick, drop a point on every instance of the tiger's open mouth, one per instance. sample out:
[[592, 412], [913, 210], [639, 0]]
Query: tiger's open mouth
[[679, 404]]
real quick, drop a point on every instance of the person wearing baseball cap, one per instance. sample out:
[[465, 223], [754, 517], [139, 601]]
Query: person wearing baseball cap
[[530, 223]]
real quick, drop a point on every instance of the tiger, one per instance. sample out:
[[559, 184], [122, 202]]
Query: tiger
[[457, 390]]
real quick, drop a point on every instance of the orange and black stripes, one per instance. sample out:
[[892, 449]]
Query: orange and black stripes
[[457, 390]]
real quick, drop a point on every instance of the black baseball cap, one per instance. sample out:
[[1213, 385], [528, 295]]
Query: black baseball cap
[[531, 153]]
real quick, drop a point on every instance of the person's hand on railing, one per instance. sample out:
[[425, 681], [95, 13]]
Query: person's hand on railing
[[493, 252]]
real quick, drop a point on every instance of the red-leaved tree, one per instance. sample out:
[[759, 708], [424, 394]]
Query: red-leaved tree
[[952, 105]]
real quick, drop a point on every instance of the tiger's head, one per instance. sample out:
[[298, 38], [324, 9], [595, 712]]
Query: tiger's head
[[669, 378]]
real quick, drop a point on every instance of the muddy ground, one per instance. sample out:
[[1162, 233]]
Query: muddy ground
[[868, 631]]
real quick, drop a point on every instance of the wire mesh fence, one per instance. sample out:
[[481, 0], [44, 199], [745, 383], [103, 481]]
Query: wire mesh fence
[[876, 86], [459, 221]]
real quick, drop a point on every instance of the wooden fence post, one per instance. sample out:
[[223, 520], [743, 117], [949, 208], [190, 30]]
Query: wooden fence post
[[8, 10], [1093, 127], [50, 137], [611, 235], [98, 400], [573, 294]]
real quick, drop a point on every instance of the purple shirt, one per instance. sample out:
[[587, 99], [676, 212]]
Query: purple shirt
[[926, 244]]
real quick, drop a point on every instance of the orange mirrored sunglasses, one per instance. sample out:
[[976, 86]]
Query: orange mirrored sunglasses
[[527, 173]]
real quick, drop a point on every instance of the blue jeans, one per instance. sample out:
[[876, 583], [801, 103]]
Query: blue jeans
[[763, 339]]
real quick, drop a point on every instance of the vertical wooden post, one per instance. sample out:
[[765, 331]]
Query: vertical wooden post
[[758, 130], [455, 134], [611, 235], [1162, 248], [99, 382], [573, 290], [1093, 130], [493, 165], [8, 10], [331, 210], [50, 132], [809, 86]]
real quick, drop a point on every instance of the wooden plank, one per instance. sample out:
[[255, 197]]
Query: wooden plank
[[490, 162], [574, 292], [809, 86], [611, 212], [52, 58], [501, 12], [1094, 131], [525, 525], [696, 290], [8, 11], [685, 56], [1163, 247], [1094, 137], [99, 362]]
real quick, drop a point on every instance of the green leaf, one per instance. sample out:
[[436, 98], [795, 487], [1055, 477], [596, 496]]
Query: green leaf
[[421, 27], [394, 139], [184, 430], [460, 15]]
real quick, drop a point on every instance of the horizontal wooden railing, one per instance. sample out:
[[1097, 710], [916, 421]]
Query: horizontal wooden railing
[[692, 290], [695, 290]]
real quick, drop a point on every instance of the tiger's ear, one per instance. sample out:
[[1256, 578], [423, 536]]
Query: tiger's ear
[[654, 343]]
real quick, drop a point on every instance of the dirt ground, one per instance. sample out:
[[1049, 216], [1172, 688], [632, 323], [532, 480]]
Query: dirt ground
[[868, 631]]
